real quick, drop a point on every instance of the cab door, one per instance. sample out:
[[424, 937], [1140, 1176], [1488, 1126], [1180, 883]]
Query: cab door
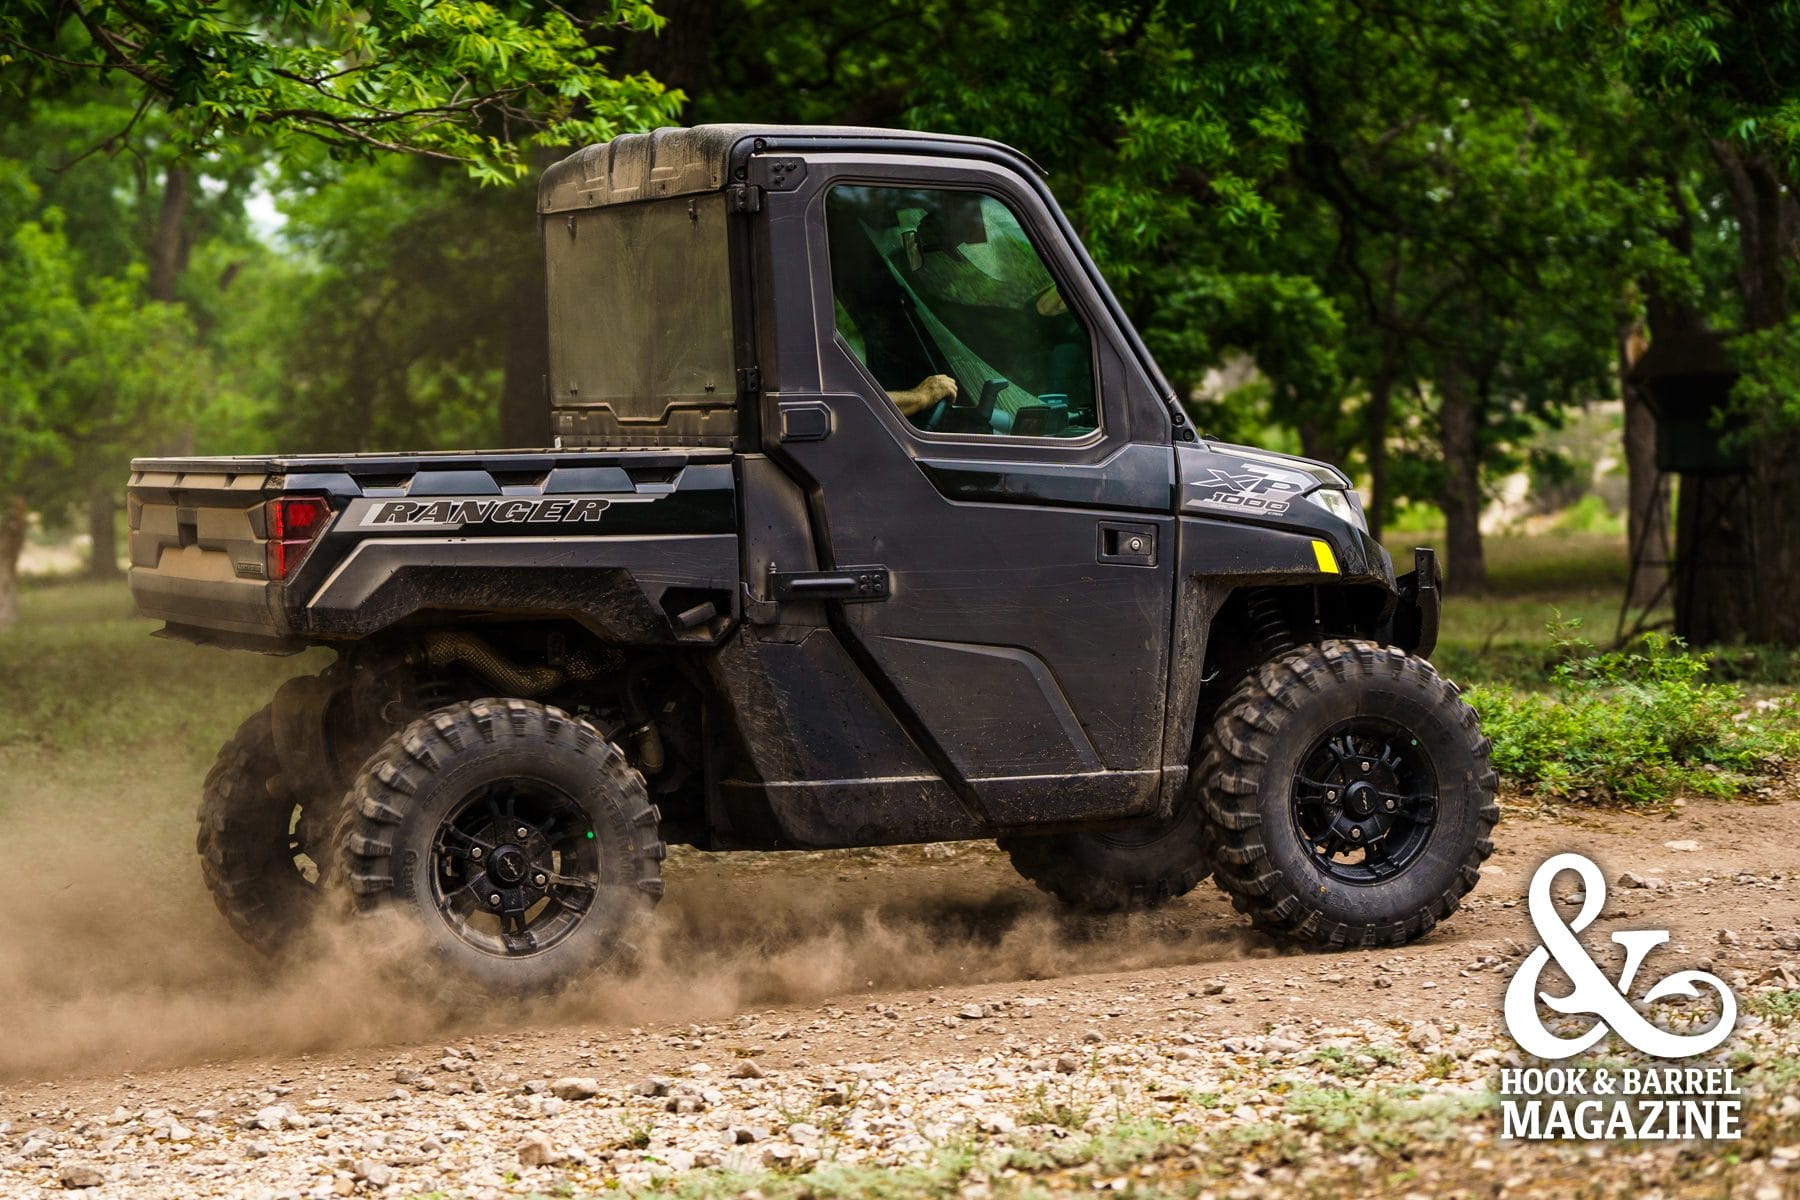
[[990, 474]]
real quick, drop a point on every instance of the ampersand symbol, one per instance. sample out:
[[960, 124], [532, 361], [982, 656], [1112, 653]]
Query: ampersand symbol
[[1593, 992]]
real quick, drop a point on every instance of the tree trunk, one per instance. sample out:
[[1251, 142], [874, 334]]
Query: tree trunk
[[680, 54], [1647, 504], [1318, 438], [1465, 568], [12, 543], [1735, 600], [103, 532], [169, 242]]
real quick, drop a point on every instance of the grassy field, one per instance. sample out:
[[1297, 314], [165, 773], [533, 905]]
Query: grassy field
[[84, 676], [1534, 583]]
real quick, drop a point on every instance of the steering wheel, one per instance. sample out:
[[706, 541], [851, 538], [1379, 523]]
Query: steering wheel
[[947, 416], [933, 418]]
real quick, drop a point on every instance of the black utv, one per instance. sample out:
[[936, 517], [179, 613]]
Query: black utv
[[868, 519]]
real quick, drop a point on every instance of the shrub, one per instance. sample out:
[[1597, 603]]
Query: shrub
[[1640, 725]]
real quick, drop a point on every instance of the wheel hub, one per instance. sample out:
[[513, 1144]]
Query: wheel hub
[[515, 868], [1362, 798], [508, 865], [1365, 800]]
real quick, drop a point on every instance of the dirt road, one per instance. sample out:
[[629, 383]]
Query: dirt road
[[920, 1009]]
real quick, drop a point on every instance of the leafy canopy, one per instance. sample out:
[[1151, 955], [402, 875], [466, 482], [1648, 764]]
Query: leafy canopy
[[468, 82]]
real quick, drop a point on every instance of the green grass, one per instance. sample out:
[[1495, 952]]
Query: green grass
[[1778, 1007], [1641, 725], [90, 677], [1533, 581]]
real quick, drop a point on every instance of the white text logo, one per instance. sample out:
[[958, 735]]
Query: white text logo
[[1594, 994]]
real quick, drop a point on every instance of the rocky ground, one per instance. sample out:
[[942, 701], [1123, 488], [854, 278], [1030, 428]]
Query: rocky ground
[[1173, 1055]]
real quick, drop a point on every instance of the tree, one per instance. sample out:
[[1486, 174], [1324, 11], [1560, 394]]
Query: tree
[[82, 374], [461, 81], [1723, 79], [391, 321], [182, 98], [137, 213]]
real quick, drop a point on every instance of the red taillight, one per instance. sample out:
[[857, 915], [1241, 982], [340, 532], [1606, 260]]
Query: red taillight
[[294, 521]]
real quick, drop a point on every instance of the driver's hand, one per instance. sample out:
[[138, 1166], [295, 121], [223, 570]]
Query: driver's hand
[[932, 390]]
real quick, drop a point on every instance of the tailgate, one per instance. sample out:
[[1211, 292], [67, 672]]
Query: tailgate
[[197, 551]]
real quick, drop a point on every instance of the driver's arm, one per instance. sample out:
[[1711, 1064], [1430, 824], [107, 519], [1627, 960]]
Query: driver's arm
[[933, 389]]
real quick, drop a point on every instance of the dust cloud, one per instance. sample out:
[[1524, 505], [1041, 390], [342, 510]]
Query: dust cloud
[[113, 960]]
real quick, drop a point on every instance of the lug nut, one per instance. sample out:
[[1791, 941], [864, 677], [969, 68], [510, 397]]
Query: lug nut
[[1390, 804], [540, 879], [1332, 794], [1356, 833], [525, 833], [1367, 766], [475, 852], [494, 899]]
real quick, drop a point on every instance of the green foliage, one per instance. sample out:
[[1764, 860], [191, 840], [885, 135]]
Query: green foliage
[[388, 326], [85, 364], [1780, 1007], [1388, 1120], [1767, 393], [1590, 515], [1733, 70], [1064, 1110], [468, 82], [1638, 725]]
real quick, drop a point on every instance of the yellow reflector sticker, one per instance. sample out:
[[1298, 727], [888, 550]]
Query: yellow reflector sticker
[[1327, 560]]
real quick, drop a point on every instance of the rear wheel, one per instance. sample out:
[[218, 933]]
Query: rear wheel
[[1134, 868], [1350, 796], [513, 839], [261, 839]]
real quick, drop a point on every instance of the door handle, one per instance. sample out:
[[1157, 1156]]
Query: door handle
[[849, 583], [1127, 544]]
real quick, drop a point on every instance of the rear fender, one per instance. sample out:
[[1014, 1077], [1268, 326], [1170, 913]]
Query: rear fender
[[654, 589]]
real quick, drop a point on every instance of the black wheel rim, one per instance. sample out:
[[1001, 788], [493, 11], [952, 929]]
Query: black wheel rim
[[515, 868], [301, 838], [1365, 800]]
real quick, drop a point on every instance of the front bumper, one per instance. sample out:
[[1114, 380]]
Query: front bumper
[[1415, 620]]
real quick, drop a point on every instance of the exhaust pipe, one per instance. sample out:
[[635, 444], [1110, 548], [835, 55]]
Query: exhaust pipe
[[445, 647]]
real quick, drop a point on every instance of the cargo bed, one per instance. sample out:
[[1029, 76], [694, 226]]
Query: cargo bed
[[275, 551]]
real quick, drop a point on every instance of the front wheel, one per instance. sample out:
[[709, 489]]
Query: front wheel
[[513, 839], [1350, 796]]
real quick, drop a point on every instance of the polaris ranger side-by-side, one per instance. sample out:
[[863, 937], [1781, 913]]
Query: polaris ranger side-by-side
[[869, 520]]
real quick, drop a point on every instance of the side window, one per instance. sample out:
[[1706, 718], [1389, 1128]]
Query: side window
[[944, 299]]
